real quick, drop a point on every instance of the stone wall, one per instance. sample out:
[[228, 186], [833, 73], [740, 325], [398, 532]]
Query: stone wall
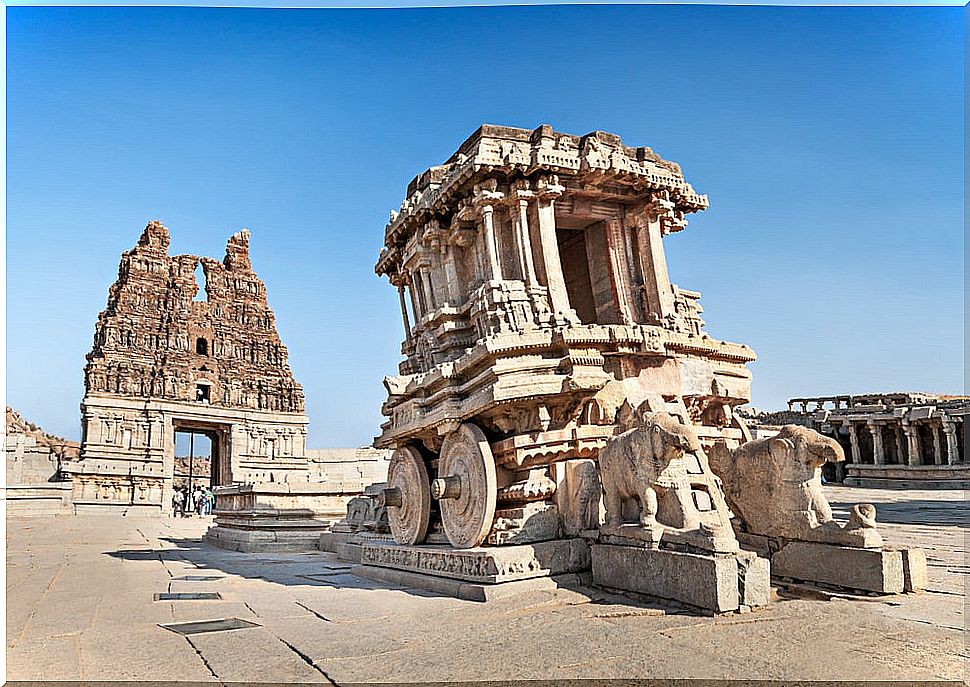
[[352, 469], [34, 459], [33, 456]]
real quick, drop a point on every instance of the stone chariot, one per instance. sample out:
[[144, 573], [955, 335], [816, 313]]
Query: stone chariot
[[532, 266]]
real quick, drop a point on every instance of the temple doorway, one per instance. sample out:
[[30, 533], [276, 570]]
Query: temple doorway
[[193, 459], [201, 454]]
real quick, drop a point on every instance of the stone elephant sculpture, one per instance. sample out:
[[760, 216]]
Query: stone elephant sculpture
[[645, 464], [774, 486]]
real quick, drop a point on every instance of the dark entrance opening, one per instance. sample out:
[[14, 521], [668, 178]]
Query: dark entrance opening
[[201, 346], [202, 393], [575, 271]]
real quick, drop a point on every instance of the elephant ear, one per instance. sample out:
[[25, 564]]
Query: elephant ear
[[780, 450]]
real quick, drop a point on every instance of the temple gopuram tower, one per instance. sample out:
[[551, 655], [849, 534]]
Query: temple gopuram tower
[[164, 361]]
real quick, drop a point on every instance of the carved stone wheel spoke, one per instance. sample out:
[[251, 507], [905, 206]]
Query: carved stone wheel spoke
[[408, 496], [467, 488]]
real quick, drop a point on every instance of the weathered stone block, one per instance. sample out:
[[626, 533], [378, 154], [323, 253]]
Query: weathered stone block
[[348, 551], [262, 541], [754, 579], [872, 570], [469, 591], [329, 540], [708, 582], [915, 577]]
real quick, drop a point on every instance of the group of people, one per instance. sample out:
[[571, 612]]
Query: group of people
[[199, 501]]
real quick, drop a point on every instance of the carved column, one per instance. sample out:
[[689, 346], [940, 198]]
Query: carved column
[[937, 453], [519, 214], [400, 281], [900, 445], [854, 440], [658, 296], [492, 258], [415, 293], [429, 301], [485, 197], [549, 190], [952, 447], [912, 441], [452, 287], [440, 273], [619, 269], [878, 457]]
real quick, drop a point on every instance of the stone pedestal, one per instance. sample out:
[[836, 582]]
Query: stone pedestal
[[719, 583], [870, 570], [273, 517], [487, 565]]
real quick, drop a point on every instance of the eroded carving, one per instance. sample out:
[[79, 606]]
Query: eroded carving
[[774, 485]]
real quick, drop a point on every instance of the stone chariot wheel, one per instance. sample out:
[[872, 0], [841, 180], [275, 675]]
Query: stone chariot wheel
[[407, 496], [467, 488]]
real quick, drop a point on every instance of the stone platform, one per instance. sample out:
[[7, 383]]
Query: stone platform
[[908, 476], [275, 517], [882, 570], [48, 498], [471, 591], [485, 565]]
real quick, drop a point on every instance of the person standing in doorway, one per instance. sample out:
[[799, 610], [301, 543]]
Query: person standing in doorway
[[178, 499]]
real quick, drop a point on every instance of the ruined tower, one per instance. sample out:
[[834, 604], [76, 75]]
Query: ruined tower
[[164, 359]]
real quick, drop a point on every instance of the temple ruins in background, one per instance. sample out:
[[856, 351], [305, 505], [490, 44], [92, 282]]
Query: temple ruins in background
[[904, 439]]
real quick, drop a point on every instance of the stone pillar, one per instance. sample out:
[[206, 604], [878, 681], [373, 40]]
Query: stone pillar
[[619, 269], [912, 441], [415, 298], [952, 447], [519, 214], [429, 301], [437, 259], [878, 457], [854, 440], [900, 445], [937, 453], [404, 311], [492, 255], [451, 287], [549, 190], [658, 296]]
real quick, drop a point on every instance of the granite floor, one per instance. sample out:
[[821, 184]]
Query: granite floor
[[80, 606]]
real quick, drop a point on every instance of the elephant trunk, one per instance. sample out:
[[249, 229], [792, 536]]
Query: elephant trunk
[[828, 450]]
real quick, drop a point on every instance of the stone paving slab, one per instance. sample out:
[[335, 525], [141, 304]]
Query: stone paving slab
[[80, 606]]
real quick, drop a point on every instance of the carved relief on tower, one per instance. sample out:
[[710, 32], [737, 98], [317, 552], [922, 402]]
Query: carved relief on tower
[[163, 335]]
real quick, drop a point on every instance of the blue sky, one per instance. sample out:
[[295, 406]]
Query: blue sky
[[829, 141]]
